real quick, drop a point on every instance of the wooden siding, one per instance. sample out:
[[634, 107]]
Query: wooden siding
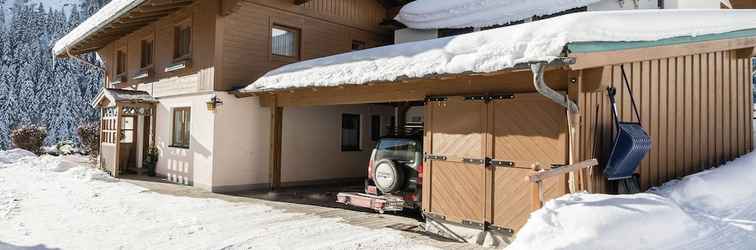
[[197, 77], [696, 108], [245, 34]]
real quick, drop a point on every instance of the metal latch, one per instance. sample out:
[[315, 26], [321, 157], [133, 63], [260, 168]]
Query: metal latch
[[435, 216], [475, 224], [499, 229]]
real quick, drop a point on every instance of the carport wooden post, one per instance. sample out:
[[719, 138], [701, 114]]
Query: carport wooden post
[[276, 122]]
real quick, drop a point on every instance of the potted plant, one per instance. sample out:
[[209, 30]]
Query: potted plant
[[150, 161]]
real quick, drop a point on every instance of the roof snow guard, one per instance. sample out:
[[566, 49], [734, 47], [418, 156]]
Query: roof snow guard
[[502, 48], [117, 18], [122, 95]]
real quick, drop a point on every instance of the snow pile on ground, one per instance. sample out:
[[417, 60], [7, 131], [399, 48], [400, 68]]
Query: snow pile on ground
[[13, 155], [501, 48], [715, 209], [60, 202], [435, 14]]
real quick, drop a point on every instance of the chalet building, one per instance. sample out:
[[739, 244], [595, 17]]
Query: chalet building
[[256, 94]]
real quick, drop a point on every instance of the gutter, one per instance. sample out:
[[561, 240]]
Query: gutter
[[540, 86]]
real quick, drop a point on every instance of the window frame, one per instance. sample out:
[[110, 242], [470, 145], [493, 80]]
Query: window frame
[[297, 42], [121, 67], [178, 28], [142, 53], [186, 134], [358, 145]]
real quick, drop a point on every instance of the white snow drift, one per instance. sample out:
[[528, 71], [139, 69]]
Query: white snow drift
[[58, 202], [715, 209], [438, 14], [499, 49]]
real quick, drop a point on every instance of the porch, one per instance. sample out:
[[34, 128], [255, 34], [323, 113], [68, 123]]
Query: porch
[[127, 130]]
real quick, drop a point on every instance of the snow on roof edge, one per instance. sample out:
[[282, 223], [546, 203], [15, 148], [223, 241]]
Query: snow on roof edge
[[439, 14], [101, 18], [497, 49]]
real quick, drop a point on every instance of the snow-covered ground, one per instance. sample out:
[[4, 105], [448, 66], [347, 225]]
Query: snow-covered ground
[[715, 209], [59, 202]]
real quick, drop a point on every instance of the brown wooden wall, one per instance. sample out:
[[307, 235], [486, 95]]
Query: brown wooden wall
[[327, 27], [201, 15], [696, 108]]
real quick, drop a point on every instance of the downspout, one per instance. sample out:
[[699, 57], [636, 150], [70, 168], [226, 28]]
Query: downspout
[[545, 90], [573, 114]]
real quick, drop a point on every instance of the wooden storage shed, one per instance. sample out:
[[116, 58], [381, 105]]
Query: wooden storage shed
[[485, 133]]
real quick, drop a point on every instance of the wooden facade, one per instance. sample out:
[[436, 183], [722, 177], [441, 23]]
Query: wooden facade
[[230, 45], [697, 109]]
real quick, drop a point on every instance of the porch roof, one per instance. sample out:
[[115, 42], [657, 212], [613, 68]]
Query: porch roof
[[112, 21], [505, 48], [122, 95]]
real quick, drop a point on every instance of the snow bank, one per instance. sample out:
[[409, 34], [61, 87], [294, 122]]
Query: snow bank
[[102, 17], [708, 210], [13, 155], [61, 203], [499, 49], [438, 14]]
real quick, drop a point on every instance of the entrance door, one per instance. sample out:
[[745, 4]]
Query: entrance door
[[528, 129], [456, 188]]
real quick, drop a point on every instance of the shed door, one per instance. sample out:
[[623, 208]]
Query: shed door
[[527, 129], [457, 184]]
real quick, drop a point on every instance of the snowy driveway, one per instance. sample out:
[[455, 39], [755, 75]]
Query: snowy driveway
[[54, 202]]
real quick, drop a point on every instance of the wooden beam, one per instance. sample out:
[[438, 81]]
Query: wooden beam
[[598, 59], [276, 129], [543, 175]]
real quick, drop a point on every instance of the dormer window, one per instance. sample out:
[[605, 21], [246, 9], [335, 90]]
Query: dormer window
[[183, 41]]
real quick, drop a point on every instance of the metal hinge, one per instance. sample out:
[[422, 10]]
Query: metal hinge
[[487, 98], [435, 157], [435, 216], [475, 161], [436, 99], [499, 229], [475, 224], [500, 163]]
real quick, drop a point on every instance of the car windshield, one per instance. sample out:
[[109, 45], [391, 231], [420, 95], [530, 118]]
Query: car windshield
[[402, 150]]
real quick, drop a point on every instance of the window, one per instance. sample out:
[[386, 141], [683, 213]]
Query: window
[[284, 42], [181, 118], [375, 127], [358, 45], [120, 62], [127, 132], [350, 132], [182, 41], [147, 49]]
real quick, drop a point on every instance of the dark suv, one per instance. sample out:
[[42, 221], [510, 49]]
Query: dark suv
[[394, 176]]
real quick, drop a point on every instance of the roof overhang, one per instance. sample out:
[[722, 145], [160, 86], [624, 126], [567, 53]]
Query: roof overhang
[[114, 20], [109, 97]]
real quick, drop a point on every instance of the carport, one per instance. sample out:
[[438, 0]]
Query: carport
[[496, 124]]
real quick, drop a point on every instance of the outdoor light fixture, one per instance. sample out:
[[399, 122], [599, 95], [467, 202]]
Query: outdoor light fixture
[[213, 103]]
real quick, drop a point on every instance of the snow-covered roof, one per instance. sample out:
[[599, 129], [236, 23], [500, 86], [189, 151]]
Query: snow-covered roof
[[437, 14], [122, 95], [107, 14], [501, 48]]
